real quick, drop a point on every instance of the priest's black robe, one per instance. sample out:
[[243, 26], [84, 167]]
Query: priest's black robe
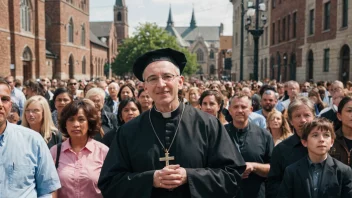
[[202, 146]]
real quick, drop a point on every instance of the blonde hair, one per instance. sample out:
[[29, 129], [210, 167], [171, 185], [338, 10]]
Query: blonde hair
[[285, 127], [47, 126]]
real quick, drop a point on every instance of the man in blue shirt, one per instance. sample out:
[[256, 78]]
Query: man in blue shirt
[[17, 96], [26, 166]]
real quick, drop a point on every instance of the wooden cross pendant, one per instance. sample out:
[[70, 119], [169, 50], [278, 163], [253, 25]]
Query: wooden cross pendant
[[167, 158]]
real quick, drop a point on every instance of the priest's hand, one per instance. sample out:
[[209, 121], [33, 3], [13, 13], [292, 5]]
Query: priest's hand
[[170, 177], [250, 167]]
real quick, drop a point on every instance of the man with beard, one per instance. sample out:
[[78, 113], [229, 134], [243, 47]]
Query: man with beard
[[255, 144], [268, 103], [305, 88]]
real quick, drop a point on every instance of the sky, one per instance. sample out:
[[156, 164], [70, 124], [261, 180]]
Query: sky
[[207, 12]]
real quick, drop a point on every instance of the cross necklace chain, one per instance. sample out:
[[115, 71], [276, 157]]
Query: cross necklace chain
[[167, 158]]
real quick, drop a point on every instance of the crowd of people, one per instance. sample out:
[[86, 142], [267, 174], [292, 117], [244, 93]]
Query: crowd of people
[[159, 134]]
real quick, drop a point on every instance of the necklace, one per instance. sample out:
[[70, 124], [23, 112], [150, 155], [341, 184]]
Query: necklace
[[237, 139], [167, 158]]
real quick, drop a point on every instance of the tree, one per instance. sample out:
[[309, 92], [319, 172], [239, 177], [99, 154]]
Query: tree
[[149, 37]]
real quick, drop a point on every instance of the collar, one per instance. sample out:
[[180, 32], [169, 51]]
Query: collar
[[244, 130], [5, 134], [171, 114], [89, 146], [311, 164], [296, 139]]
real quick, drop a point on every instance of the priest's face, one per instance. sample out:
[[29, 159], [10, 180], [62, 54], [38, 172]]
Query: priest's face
[[240, 109], [162, 81]]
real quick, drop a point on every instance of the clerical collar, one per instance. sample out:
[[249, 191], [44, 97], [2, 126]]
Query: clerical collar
[[170, 114], [245, 129]]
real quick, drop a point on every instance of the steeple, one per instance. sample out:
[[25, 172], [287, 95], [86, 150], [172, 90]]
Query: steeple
[[193, 20], [170, 21], [120, 3]]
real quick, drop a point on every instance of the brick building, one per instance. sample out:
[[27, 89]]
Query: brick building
[[310, 40], [5, 37], [67, 30], [52, 38]]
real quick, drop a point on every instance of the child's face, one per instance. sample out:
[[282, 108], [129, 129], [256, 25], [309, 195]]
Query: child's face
[[318, 142]]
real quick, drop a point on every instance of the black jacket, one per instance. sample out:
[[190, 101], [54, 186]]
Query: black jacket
[[336, 180], [109, 123]]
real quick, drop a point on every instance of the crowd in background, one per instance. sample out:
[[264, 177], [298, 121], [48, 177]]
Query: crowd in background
[[78, 117]]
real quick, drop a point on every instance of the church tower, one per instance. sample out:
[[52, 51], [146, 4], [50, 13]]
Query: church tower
[[121, 20], [193, 23], [170, 21]]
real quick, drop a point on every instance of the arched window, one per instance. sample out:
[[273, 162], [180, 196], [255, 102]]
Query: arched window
[[70, 31], [200, 55], [83, 36], [27, 54], [84, 65], [211, 56], [25, 15], [119, 16]]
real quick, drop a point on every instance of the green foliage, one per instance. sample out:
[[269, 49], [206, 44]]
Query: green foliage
[[148, 37]]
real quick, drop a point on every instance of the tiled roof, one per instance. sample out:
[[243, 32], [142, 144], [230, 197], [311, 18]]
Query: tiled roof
[[94, 39], [101, 29]]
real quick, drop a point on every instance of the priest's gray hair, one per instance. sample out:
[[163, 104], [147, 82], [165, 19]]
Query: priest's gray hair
[[298, 102], [95, 91]]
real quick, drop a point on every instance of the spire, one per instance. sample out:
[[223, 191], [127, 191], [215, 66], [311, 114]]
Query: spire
[[120, 3], [193, 20], [170, 21]]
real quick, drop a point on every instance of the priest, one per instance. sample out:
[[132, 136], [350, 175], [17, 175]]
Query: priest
[[172, 150]]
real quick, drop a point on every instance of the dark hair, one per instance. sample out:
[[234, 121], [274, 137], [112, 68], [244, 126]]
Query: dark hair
[[36, 87], [265, 88], [123, 104], [91, 113], [61, 90], [320, 123], [218, 97], [122, 87], [15, 109], [140, 92], [343, 102]]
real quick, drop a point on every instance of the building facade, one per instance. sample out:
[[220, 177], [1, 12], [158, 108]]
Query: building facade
[[52, 38], [204, 41]]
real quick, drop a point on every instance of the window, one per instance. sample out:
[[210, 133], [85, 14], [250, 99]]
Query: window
[[327, 16], [326, 59], [25, 15], [200, 55], [83, 36], [236, 37], [70, 31], [119, 16], [288, 27], [273, 34], [283, 29], [84, 65], [345, 13], [211, 56], [294, 25], [273, 3], [278, 30], [311, 22], [266, 36]]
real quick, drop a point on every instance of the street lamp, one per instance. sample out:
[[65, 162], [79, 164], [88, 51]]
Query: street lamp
[[257, 32]]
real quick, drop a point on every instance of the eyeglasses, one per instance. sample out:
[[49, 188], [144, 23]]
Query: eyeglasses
[[32, 111], [73, 84], [153, 80]]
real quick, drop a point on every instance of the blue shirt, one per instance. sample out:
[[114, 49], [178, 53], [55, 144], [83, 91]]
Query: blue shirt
[[26, 166], [19, 98], [257, 119]]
